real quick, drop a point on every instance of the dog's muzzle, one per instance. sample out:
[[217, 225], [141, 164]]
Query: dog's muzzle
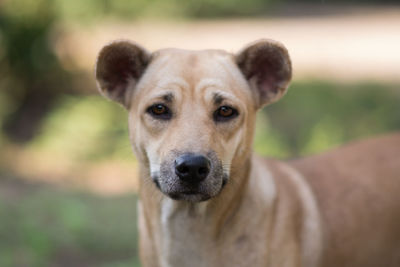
[[190, 176]]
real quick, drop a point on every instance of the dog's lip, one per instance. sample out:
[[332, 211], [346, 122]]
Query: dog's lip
[[192, 196]]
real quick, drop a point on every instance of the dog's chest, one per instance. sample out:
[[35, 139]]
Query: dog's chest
[[185, 236], [188, 239]]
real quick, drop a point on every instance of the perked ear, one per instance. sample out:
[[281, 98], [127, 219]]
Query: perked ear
[[119, 67], [266, 66]]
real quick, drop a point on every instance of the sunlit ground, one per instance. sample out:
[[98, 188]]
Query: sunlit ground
[[349, 44], [67, 198]]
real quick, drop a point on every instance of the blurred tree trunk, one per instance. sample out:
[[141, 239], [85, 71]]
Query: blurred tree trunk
[[23, 124], [35, 77]]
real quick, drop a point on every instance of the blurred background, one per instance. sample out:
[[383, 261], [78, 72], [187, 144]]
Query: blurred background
[[67, 174]]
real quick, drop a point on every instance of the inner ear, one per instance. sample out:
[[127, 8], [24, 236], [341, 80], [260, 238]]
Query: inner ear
[[119, 67], [266, 66]]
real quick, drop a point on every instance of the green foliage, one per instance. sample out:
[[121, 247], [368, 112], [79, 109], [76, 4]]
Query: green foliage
[[26, 54], [315, 116], [121, 9], [267, 140], [85, 128], [32, 75], [210, 8], [93, 10]]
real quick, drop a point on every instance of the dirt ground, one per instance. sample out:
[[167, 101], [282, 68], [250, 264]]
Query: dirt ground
[[348, 44]]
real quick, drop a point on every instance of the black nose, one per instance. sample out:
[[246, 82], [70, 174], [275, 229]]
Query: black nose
[[192, 168]]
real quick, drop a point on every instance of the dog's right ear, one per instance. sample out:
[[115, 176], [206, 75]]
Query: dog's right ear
[[119, 67]]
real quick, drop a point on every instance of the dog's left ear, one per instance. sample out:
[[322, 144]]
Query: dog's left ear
[[266, 66], [119, 67]]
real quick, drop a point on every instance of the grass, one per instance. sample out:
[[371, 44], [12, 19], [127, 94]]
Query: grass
[[47, 226]]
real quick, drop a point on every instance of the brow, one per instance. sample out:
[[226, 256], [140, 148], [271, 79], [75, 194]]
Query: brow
[[168, 97], [218, 98]]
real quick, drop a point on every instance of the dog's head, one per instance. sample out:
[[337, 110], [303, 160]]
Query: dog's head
[[192, 113]]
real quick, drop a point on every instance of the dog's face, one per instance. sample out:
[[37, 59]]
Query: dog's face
[[191, 113]]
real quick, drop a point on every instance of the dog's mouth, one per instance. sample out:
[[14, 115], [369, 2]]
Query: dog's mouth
[[191, 196], [187, 192]]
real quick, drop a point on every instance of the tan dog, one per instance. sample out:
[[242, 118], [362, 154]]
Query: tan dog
[[206, 200]]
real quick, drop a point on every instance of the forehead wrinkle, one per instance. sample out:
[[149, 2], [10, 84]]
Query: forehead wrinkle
[[219, 95], [167, 96], [166, 88], [174, 81], [217, 98], [208, 82], [208, 88]]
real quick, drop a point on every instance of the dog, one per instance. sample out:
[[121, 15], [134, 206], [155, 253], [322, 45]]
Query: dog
[[207, 200]]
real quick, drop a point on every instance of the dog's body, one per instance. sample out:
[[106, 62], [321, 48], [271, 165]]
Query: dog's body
[[206, 200], [357, 191]]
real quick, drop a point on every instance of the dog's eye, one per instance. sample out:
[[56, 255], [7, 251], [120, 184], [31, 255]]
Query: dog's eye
[[159, 111], [225, 113]]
